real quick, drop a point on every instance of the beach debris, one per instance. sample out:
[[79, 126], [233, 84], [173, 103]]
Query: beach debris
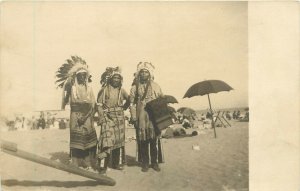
[[196, 147], [226, 188]]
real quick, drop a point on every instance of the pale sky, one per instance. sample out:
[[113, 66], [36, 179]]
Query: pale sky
[[187, 42]]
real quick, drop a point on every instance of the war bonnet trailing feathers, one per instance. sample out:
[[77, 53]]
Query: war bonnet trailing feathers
[[66, 76]]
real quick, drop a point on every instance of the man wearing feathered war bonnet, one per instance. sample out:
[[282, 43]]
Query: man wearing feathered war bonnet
[[73, 78], [143, 91], [110, 101]]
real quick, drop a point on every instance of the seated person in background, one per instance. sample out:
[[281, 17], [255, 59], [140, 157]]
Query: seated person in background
[[169, 133], [179, 132], [238, 114], [179, 119], [247, 116], [234, 116], [41, 123], [202, 117], [228, 116], [186, 123], [208, 115]]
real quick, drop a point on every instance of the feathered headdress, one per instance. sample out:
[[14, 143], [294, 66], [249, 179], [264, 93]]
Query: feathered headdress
[[69, 69], [66, 74], [109, 73], [146, 66]]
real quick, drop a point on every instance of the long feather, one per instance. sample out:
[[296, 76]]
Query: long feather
[[67, 69], [60, 75], [61, 79]]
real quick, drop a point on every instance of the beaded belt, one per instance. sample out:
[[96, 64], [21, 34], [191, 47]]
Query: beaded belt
[[112, 109]]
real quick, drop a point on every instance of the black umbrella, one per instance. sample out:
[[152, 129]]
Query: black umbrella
[[207, 87], [170, 99]]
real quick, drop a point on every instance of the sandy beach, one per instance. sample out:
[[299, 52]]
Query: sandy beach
[[220, 164]]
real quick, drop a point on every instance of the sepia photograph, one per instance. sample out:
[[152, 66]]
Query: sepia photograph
[[127, 96]]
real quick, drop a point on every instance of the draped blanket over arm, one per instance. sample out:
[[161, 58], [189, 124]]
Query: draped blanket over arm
[[140, 95], [111, 117]]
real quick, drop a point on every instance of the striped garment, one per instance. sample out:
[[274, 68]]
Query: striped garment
[[84, 136]]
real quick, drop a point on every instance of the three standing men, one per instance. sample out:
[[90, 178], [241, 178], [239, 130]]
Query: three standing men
[[112, 100]]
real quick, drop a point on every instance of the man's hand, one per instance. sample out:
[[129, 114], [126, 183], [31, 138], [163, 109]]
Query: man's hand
[[100, 123], [134, 122], [81, 120], [111, 122], [131, 120]]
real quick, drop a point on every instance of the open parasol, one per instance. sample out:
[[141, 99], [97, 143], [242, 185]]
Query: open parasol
[[205, 88], [170, 99]]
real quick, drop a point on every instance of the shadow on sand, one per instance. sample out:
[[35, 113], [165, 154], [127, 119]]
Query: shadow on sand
[[183, 136], [66, 184], [62, 157], [130, 161]]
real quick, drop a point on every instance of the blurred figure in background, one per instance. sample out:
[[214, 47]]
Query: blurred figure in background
[[41, 123], [62, 124]]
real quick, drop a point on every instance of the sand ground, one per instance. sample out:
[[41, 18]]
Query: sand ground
[[221, 164]]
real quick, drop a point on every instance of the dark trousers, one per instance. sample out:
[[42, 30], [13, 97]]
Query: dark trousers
[[112, 160], [145, 151], [115, 157], [84, 158]]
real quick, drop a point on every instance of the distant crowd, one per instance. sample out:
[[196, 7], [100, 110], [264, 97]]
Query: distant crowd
[[23, 123], [187, 121]]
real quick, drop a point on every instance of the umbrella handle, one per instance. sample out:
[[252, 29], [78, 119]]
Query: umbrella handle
[[212, 117]]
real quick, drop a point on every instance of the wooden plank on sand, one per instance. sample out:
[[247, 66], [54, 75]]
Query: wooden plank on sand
[[12, 149]]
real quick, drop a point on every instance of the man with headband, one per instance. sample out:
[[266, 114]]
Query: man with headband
[[111, 105], [144, 90]]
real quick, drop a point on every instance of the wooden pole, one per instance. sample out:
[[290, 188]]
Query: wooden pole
[[225, 119], [212, 115], [217, 116], [11, 148]]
